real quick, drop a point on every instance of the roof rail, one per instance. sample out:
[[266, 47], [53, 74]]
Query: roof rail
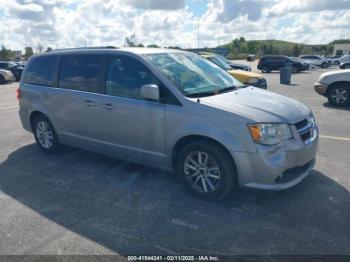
[[82, 48]]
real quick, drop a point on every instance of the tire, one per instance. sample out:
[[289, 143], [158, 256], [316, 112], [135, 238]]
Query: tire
[[45, 135], [222, 177], [324, 65], [295, 70], [2, 79], [339, 95], [265, 69]]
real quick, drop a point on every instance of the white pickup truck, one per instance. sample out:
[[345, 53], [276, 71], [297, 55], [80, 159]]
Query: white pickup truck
[[335, 86]]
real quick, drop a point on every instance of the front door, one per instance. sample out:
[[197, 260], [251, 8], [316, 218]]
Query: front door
[[130, 124]]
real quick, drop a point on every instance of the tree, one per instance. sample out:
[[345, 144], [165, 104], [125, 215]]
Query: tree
[[49, 49], [28, 52], [252, 47], [263, 49], [237, 45], [174, 47], [296, 50], [130, 41], [5, 54], [270, 49], [153, 46]]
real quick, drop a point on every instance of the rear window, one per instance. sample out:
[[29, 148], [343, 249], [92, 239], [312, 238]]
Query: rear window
[[82, 73], [41, 71]]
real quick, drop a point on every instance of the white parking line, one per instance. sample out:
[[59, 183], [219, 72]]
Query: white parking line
[[8, 107], [310, 98], [335, 138]]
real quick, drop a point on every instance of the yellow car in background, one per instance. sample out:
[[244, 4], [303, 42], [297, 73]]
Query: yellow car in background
[[247, 78]]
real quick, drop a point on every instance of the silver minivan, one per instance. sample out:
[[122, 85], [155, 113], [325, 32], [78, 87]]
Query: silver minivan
[[169, 109]]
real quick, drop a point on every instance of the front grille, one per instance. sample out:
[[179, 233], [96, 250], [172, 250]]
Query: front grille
[[306, 129], [301, 124]]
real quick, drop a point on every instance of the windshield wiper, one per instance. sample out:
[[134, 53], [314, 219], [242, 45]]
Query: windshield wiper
[[202, 94], [227, 89]]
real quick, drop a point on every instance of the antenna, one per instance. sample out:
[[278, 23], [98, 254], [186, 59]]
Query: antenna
[[198, 100]]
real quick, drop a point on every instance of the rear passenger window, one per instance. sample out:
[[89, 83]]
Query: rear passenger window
[[41, 71], [125, 76], [82, 73]]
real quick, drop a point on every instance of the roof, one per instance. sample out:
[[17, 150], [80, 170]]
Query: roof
[[96, 50]]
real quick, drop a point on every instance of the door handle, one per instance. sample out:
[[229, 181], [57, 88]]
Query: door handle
[[108, 106], [89, 103]]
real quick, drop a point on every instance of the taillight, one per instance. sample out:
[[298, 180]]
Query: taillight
[[18, 93]]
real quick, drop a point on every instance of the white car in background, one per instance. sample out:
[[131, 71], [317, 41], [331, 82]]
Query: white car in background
[[344, 59], [335, 86], [6, 76], [316, 59]]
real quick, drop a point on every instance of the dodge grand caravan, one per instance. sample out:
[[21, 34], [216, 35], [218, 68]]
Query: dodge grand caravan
[[169, 109]]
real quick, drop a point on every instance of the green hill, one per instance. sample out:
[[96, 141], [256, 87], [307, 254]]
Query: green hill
[[239, 48]]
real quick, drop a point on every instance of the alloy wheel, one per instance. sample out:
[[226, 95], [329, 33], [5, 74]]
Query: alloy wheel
[[339, 95], [202, 172], [44, 134]]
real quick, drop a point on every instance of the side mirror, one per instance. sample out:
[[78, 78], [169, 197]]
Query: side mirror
[[150, 92]]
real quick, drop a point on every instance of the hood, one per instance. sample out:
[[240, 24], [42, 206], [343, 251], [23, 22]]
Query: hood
[[338, 75], [243, 73], [259, 105]]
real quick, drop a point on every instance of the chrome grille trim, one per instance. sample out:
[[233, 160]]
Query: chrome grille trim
[[309, 127]]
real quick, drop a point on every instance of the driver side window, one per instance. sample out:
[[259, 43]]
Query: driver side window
[[125, 76]]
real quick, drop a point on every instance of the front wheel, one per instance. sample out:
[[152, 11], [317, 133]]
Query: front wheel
[[339, 95], [2, 79], [207, 170], [324, 65], [45, 135]]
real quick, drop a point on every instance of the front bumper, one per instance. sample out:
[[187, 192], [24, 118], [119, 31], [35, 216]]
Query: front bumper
[[9, 77], [276, 167], [262, 83], [321, 88]]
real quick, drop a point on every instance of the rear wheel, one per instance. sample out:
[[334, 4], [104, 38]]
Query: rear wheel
[[207, 170], [339, 95], [324, 65], [265, 69], [45, 135], [295, 70]]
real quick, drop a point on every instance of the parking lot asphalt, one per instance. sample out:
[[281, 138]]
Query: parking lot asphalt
[[79, 202]]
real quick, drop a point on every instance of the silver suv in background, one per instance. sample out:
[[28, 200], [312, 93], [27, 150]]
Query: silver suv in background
[[316, 59], [335, 85], [169, 109]]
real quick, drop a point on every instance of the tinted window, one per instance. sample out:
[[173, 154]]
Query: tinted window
[[82, 72], [125, 76], [41, 71], [4, 65]]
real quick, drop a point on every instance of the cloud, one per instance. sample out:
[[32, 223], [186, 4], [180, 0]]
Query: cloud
[[284, 7], [157, 4], [227, 10], [68, 23]]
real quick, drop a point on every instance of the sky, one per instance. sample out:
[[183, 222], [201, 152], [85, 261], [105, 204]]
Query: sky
[[68, 23]]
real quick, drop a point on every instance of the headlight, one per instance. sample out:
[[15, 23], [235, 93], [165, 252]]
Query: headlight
[[270, 134], [252, 80]]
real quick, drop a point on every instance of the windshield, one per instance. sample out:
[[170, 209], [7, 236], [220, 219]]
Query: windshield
[[11, 65], [216, 60], [223, 60], [192, 74]]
